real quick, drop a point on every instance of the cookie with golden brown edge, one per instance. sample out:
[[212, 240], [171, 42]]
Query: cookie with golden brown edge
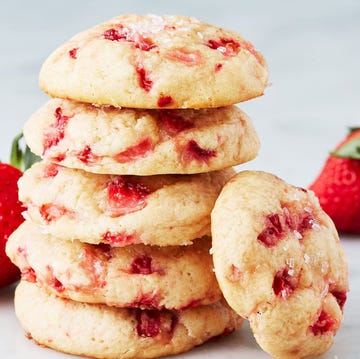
[[148, 61], [120, 210], [279, 263], [136, 276], [99, 331], [141, 142]]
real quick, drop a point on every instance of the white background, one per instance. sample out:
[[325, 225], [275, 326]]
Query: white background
[[313, 52]]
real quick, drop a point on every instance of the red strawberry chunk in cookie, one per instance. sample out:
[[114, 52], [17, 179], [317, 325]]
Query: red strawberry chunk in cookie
[[284, 283], [324, 324], [150, 323], [186, 56], [340, 297], [192, 151], [173, 123], [51, 212], [51, 170], [164, 101], [147, 300], [28, 274], [86, 155], [125, 197], [144, 80], [52, 281], [123, 34], [73, 53], [228, 47], [142, 265], [56, 132], [277, 226], [135, 152], [120, 239]]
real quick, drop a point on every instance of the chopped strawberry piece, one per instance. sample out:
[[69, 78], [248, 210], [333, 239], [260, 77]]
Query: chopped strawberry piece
[[55, 132], [51, 170], [273, 231], [164, 101], [147, 300], [51, 212], [125, 197], [144, 80], [218, 67], [173, 123], [228, 47], [150, 323], [284, 283], [142, 265], [186, 56], [115, 34], [28, 274], [120, 239], [122, 34], [73, 53], [323, 324], [192, 151], [86, 155], [135, 152], [92, 263], [340, 297], [277, 226]]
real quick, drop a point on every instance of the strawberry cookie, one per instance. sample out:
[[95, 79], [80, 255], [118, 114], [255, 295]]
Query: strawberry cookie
[[155, 62], [120, 210], [175, 277], [141, 142], [279, 263], [99, 331]]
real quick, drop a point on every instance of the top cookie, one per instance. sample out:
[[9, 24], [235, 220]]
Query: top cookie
[[147, 61]]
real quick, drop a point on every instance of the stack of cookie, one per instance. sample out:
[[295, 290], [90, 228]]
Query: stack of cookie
[[137, 143]]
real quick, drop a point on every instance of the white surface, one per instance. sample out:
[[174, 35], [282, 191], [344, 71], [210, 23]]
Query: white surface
[[313, 51]]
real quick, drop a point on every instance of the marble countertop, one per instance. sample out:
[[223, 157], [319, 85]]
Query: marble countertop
[[312, 49]]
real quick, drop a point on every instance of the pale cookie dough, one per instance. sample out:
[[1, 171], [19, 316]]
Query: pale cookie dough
[[147, 61], [175, 277], [141, 142], [100, 331], [120, 210], [279, 263]]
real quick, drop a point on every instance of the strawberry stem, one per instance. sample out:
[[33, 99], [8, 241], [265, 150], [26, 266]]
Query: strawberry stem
[[21, 156], [350, 149]]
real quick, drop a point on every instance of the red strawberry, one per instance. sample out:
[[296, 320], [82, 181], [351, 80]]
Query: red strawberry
[[10, 208], [338, 184], [10, 219]]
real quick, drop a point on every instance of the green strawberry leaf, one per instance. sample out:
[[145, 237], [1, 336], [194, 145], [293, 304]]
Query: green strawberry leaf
[[21, 156], [350, 149]]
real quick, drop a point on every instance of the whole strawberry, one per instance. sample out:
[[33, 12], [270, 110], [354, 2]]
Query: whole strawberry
[[10, 206], [338, 184], [10, 219]]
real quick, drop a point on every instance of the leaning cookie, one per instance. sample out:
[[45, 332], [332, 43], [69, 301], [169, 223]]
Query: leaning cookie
[[100, 331], [279, 263], [141, 142], [120, 210], [146, 61], [137, 276]]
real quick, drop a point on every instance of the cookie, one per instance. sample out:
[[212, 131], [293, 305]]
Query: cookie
[[147, 61], [100, 331], [120, 210], [141, 142], [279, 263], [175, 277]]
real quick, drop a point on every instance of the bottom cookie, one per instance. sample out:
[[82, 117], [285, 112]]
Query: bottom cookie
[[100, 331]]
